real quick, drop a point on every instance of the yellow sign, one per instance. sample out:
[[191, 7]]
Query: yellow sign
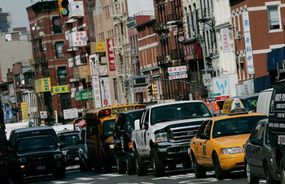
[[100, 47], [60, 89], [24, 109], [43, 85], [97, 47]]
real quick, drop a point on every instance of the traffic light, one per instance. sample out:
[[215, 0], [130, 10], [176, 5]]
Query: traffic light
[[63, 7], [154, 89], [149, 90]]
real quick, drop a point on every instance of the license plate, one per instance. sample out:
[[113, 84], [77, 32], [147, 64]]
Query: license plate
[[41, 167], [281, 139]]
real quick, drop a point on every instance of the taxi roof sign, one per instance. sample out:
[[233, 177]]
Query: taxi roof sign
[[233, 105]]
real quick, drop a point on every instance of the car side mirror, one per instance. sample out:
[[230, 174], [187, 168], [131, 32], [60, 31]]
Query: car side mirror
[[137, 125]]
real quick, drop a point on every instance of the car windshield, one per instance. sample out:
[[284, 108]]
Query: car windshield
[[235, 126], [33, 144], [179, 111], [131, 120], [108, 127], [69, 139]]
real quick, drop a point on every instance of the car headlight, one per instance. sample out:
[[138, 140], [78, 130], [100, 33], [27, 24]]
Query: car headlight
[[64, 153], [161, 137], [22, 160], [233, 150], [111, 146], [58, 156]]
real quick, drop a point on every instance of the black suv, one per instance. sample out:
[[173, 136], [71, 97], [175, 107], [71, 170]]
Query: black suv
[[37, 155], [71, 142], [123, 141], [27, 132]]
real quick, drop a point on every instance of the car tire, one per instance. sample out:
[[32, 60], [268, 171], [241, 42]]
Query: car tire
[[141, 167], [251, 179], [121, 165], [268, 177], [157, 165], [131, 165], [220, 174], [83, 167], [198, 169]]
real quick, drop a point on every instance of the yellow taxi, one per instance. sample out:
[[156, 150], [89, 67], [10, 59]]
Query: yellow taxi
[[218, 144]]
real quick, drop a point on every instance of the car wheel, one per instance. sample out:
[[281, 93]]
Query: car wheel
[[251, 179], [198, 169], [83, 167], [268, 176], [121, 165], [220, 174], [131, 165], [141, 166], [157, 164]]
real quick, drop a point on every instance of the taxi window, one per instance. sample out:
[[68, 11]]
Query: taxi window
[[208, 128], [202, 129]]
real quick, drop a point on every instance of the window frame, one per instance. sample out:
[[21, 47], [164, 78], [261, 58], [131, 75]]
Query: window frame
[[271, 30]]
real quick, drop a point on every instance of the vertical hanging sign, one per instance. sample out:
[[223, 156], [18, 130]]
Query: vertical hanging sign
[[111, 55], [247, 40]]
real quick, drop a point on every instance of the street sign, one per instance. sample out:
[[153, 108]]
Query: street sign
[[179, 72], [207, 79], [70, 113]]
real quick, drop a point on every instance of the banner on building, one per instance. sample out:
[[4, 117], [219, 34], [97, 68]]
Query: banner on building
[[111, 54], [179, 72], [225, 85], [105, 91], [77, 39], [225, 37], [96, 91], [42, 85], [248, 46], [60, 89]]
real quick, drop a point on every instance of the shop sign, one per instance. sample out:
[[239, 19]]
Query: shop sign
[[42, 85], [70, 113], [179, 72], [100, 47], [111, 54], [60, 89], [24, 109]]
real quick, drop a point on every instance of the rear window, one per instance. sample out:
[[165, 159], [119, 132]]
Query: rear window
[[35, 144]]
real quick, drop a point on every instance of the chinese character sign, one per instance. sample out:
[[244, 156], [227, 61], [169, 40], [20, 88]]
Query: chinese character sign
[[248, 46], [43, 85], [60, 89], [225, 40], [111, 54]]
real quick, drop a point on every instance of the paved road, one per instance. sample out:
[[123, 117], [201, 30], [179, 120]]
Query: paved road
[[178, 177]]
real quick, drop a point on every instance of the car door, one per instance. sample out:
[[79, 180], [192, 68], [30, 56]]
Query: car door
[[198, 142], [207, 145], [254, 149]]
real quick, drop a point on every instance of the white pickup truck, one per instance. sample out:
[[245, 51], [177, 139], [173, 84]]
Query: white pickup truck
[[162, 136]]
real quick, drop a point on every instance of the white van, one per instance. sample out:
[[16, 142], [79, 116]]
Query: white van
[[263, 101]]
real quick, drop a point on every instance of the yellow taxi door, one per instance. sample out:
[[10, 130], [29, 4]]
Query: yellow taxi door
[[198, 143], [207, 145]]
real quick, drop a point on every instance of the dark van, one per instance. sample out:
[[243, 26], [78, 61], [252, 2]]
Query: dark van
[[123, 141], [265, 149]]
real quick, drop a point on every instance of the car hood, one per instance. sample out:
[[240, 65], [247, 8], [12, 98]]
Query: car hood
[[184, 122], [232, 141]]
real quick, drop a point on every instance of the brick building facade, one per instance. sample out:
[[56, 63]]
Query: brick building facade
[[259, 36]]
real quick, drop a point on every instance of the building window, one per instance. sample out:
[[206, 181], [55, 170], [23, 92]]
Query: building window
[[62, 75], [273, 17], [59, 50], [56, 25]]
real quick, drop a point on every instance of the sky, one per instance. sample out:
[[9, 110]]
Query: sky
[[17, 8]]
